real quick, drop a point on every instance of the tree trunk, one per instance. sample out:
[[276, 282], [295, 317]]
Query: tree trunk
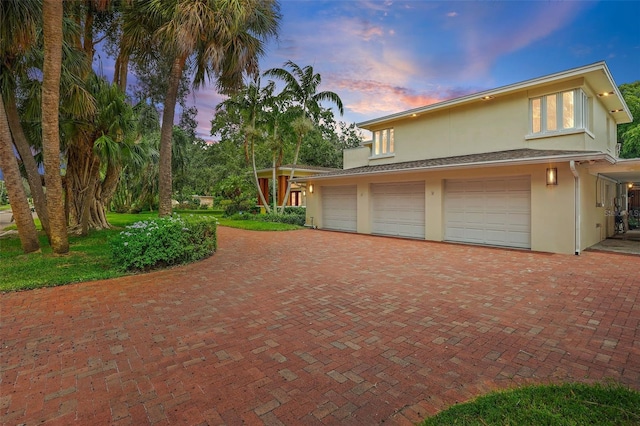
[[121, 70], [285, 200], [84, 188], [274, 182], [52, 11], [166, 132], [19, 204], [33, 174], [255, 179]]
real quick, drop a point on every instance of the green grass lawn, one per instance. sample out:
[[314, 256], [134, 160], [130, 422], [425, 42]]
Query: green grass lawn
[[562, 405], [89, 258]]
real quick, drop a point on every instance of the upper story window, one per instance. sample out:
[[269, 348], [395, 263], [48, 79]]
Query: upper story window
[[559, 112], [383, 144]]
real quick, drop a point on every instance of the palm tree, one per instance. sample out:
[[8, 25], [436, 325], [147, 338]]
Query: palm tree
[[52, 13], [223, 39], [19, 23], [250, 103], [19, 204], [301, 85]]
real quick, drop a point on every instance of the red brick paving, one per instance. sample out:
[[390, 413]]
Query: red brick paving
[[312, 327]]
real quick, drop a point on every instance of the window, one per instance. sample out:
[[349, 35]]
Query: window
[[559, 112], [383, 144]]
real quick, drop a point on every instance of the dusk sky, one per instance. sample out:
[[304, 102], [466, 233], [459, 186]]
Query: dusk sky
[[383, 57]]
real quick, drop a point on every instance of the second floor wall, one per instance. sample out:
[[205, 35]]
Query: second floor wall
[[565, 115]]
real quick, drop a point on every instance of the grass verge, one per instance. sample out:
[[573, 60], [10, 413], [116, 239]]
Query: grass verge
[[89, 258], [567, 404]]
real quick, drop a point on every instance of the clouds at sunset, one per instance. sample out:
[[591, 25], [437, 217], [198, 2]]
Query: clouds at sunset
[[384, 57]]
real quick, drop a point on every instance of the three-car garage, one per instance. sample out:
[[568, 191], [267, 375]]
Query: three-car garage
[[489, 211]]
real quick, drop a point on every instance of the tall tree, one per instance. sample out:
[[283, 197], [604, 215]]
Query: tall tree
[[223, 39], [301, 84], [19, 24], [52, 13], [19, 205], [251, 103], [629, 134]]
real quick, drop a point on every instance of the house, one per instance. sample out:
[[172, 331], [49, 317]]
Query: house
[[531, 165], [281, 175]]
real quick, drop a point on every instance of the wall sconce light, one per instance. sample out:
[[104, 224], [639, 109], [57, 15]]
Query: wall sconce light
[[552, 176], [310, 189]]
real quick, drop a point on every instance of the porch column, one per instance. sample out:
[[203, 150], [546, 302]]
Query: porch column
[[263, 183], [282, 188]]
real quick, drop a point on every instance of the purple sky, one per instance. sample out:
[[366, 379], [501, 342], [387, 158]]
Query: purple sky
[[383, 57]]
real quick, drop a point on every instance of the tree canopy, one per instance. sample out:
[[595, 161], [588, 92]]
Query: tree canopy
[[629, 134]]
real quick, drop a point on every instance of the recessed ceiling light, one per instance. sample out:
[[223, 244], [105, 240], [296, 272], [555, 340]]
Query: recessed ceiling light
[[414, 115], [486, 98], [605, 94], [617, 110]]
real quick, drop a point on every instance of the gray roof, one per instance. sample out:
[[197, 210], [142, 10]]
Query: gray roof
[[470, 160]]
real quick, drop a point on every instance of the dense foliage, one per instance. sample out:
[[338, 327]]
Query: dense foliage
[[629, 134], [164, 241]]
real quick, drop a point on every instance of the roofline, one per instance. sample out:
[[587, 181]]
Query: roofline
[[574, 72], [298, 169], [477, 164]]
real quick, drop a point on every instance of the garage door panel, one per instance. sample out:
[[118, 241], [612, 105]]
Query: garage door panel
[[398, 209], [339, 208], [489, 211]]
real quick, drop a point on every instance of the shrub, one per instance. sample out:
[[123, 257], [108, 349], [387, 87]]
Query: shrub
[[294, 218], [165, 241]]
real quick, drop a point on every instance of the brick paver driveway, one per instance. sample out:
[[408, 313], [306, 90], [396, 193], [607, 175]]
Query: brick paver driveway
[[312, 327]]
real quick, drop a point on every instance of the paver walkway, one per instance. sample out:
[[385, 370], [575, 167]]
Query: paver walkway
[[312, 327]]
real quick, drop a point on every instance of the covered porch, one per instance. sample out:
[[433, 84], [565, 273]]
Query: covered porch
[[297, 196]]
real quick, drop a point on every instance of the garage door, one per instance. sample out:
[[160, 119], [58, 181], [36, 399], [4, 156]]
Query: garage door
[[489, 211], [339, 207], [398, 209]]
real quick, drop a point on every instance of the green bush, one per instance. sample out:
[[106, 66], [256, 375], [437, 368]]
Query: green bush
[[165, 241], [292, 217]]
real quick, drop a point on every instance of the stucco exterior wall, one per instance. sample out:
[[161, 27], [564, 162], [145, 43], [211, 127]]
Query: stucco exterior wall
[[497, 124]]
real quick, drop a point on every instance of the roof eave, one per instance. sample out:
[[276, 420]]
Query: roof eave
[[478, 164], [478, 97]]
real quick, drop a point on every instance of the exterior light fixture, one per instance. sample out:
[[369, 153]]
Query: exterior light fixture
[[487, 98], [602, 95], [552, 176], [414, 115], [630, 185], [310, 189], [617, 110]]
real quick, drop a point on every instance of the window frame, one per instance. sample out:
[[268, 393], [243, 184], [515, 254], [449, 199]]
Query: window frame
[[383, 144], [539, 118]]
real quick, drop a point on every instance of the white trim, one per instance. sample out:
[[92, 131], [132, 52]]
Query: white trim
[[378, 157], [478, 164], [563, 132]]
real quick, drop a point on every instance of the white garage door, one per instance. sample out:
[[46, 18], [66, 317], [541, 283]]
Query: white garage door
[[339, 207], [398, 209], [489, 211]]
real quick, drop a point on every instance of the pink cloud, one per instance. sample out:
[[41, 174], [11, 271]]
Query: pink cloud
[[374, 97]]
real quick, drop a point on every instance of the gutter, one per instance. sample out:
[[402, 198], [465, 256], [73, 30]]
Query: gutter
[[522, 162], [576, 176]]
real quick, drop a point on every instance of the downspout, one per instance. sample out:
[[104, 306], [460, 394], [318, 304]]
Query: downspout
[[576, 176]]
